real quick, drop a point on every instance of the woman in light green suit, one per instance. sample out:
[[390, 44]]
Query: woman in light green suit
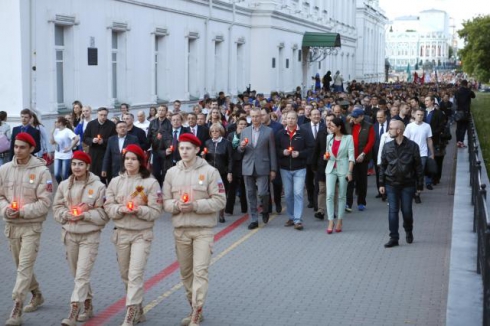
[[340, 157]]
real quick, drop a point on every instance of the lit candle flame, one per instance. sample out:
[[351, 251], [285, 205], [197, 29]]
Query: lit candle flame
[[290, 149], [171, 148], [185, 197], [14, 205], [130, 205], [75, 212], [205, 150], [246, 141]]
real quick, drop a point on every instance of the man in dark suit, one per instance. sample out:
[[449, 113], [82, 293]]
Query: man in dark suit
[[96, 136], [158, 127], [135, 131], [265, 114], [112, 164], [201, 132], [25, 118], [311, 130], [380, 127], [169, 145], [437, 121], [259, 163]]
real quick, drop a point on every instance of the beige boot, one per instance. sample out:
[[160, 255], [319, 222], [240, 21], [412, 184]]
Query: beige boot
[[36, 301], [132, 315], [196, 317], [88, 311], [16, 315], [72, 318], [141, 315]]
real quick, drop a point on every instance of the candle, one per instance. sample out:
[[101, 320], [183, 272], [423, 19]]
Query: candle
[[14, 205], [98, 137], [290, 149], [327, 155], [185, 197], [171, 148], [75, 212], [246, 141], [130, 205], [205, 150]]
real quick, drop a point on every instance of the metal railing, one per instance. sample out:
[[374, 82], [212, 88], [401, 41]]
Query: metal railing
[[481, 221]]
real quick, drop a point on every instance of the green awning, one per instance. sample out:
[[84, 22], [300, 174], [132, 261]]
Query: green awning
[[322, 40]]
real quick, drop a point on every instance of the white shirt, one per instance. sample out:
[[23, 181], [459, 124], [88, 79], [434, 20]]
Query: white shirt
[[63, 139], [314, 128], [385, 138], [145, 125], [121, 142], [419, 134]]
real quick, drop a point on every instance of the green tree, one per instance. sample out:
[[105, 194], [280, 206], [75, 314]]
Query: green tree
[[475, 55]]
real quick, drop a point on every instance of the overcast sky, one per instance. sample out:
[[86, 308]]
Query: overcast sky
[[458, 9]]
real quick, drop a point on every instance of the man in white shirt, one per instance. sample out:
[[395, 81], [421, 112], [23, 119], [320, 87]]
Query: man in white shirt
[[141, 122], [421, 133]]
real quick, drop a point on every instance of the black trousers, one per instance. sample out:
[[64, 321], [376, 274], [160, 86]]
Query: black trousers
[[236, 184], [276, 191], [310, 185], [359, 183], [461, 128], [157, 167]]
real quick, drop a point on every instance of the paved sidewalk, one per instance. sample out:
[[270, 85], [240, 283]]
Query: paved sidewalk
[[275, 276]]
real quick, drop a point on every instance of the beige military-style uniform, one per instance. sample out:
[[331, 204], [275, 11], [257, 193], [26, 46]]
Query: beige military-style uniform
[[81, 239], [30, 187], [133, 234], [193, 232]]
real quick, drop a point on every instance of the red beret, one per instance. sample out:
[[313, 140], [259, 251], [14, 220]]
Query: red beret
[[136, 150], [190, 138], [25, 137], [82, 156]]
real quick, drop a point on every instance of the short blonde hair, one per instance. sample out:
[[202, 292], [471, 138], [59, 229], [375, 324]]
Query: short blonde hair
[[218, 126]]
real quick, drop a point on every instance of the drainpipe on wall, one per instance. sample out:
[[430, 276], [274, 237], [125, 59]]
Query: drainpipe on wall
[[230, 50], [206, 33]]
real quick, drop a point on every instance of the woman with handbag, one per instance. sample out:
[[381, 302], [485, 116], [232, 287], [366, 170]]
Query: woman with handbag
[[340, 163], [77, 206], [5, 134], [64, 139]]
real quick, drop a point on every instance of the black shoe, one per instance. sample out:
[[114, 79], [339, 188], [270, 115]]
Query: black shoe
[[429, 186], [320, 216], [278, 208], [310, 205], [409, 237], [265, 218], [379, 196], [392, 243], [222, 219], [253, 225], [417, 199]]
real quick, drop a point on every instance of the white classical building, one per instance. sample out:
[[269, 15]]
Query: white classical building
[[144, 52], [370, 51], [422, 38]]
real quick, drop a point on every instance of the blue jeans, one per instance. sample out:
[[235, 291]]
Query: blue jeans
[[428, 178], [294, 185], [400, 197], [61, 169]]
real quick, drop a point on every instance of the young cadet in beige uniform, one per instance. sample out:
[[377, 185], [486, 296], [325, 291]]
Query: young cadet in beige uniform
[[25, 197], [193, 193], [78, 208], [134, 202]]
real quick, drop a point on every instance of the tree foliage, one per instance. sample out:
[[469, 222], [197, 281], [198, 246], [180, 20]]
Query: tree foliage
[[475, 55]]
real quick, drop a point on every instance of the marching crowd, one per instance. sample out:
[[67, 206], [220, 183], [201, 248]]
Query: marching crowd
[[195, 164]]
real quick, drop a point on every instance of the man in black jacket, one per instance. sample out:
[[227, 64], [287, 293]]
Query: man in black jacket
[[292, 153], [25, 118], [463, 101], [399, 173], [158, 127]]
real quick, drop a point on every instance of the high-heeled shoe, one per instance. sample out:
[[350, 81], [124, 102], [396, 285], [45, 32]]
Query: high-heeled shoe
[[339, 226], [330, 227]]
